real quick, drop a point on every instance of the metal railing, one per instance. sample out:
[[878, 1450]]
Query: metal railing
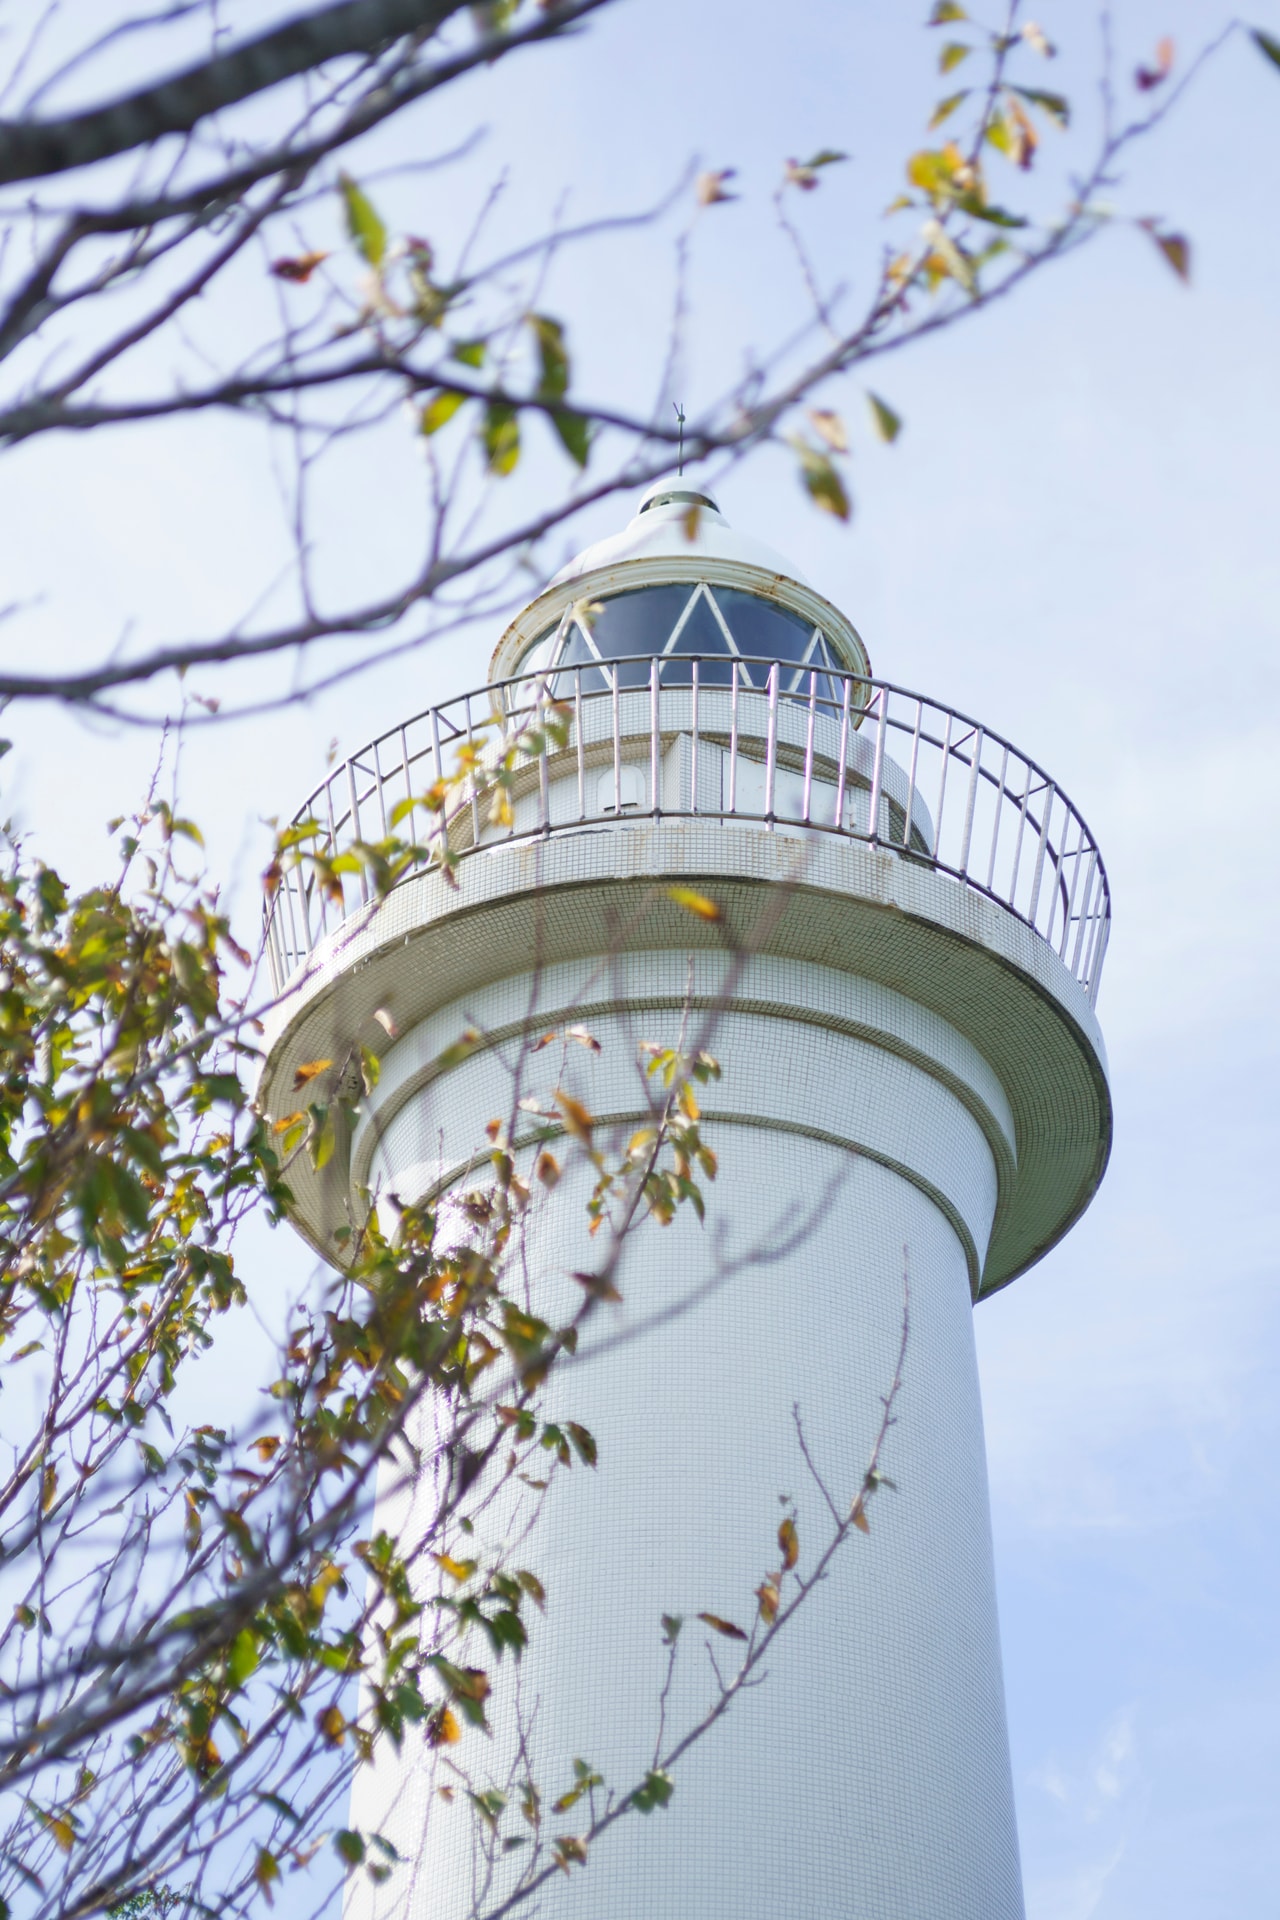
[[796, 750]]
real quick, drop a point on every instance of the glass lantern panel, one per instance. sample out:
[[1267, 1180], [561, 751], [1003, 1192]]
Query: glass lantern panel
[[763, 631], [701, 634], [637, 623]]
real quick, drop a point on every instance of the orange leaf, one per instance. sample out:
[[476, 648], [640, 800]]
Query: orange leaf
[[726, 1627], [788, 1543], [299, 269], [308, 1071], [769, 1595], [859, 1518], [577, 1120], [443, 1728], [1147, 77]]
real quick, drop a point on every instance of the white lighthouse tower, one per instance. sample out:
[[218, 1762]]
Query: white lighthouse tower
[[901, 983]]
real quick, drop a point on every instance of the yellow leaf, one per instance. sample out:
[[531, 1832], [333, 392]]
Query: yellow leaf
[[726, 1627], [331, 1725], [62, 1830], [308, 1071], [48, 1487], [768, 1595], [689, 1103], [267, 1447], [695, 903], [830, 427], [456, 1569], [289, 1120], [859, 1518], [500, 814], [265, 1872], [439, 410], [788, 1543]]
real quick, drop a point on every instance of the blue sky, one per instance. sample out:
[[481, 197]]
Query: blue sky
[[1074, 538]]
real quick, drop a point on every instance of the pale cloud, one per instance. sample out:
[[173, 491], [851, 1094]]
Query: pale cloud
[[1094, 1805]]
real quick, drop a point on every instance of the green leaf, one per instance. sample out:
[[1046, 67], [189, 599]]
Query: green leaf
[[549, 334], [243, 1657], [440, 409], [500, 437], [978, 209], [575, 434], [945, 11], [470, 353], [1056, 105], [945, 108], [822, 483], [1268, 44], [363, 223], [656, 1791], [348, 1846], [952, 54]]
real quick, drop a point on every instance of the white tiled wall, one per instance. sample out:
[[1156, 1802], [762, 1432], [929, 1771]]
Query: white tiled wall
[[868, 1777]]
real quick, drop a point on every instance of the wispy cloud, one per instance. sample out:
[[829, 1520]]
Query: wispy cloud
[[1090, 1808]]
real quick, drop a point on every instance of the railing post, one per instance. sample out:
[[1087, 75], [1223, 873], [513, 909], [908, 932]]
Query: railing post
[[617, 748], [693, 772], [808, 747], [378, 783], [577, 724], [771, 744], [442, 828], [544, 785], [1051, 794], [1071, 898], [1022, 827], [995, 831], [733, 739], [842, 777], [472, 788], [971, 800], [911, 782], [355, 822], [877, 770], [1084, 910], [942, 789], [655, 739]]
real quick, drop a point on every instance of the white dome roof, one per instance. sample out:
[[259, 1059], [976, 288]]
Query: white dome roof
[[660, 529]]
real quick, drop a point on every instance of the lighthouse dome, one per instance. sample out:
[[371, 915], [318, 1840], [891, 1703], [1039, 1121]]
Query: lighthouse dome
[[678, 580], [677, 518]]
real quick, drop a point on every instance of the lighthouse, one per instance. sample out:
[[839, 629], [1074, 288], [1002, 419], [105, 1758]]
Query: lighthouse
[[888, 923]]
